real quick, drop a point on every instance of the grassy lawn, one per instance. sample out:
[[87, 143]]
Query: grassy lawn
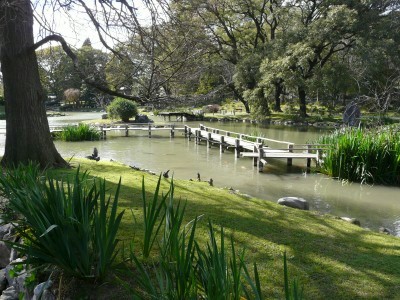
[[331, 259]]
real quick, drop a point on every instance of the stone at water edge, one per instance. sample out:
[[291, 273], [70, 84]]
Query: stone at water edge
[[351, 220], [385, 230], [294, 202]]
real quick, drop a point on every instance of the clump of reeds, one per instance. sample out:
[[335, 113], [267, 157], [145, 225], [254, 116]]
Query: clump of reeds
[[82, 132], [361, 155]]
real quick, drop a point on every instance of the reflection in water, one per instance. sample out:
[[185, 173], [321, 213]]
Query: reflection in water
[[374, 206]]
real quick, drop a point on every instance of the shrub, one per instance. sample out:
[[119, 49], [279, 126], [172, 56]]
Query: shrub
[[69, 226], [123, 109], [82, 132], [212, 108]]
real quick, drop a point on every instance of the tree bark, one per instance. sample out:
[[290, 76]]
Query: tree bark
[[302, 101], [278, 93], [28, 137], [240, 97]]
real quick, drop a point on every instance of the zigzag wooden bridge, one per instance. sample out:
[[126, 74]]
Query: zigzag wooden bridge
[[258, 148]]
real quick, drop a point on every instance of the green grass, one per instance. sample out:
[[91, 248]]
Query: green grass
[[330, 258]]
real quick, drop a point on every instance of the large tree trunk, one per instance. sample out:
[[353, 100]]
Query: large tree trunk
[[241, 99], [28, 136], [278, 93], [302, 101]]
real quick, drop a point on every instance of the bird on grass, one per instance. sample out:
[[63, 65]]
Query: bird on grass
[[165, 174]]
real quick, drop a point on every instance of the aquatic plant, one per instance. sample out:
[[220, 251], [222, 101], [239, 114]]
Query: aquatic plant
[[363, 155], [82, 132]]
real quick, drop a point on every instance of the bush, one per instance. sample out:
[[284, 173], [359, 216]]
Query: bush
[[69, 226], [123, 109], [212, 108], [82, 132]]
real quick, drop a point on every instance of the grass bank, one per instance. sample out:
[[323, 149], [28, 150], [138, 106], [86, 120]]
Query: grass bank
[[331, 258]]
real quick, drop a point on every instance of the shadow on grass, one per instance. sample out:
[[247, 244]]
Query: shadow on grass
[[333, 259]]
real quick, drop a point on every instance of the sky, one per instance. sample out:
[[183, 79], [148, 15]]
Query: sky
[[74, 25]]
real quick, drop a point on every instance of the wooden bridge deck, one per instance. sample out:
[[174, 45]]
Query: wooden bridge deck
[[258, 148]]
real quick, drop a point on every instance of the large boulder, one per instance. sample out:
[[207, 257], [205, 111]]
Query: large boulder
[[143, 119], [294, 202]]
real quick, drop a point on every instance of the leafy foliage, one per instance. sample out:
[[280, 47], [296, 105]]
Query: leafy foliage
[[72, 226], [123, 109]]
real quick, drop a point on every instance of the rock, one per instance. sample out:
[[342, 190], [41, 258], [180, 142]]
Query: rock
[[142, 119], [3, 280], [42, 292], [5, 229], [294, 202], [351, 220], [10, 293], [104, 116], [352, 115], [5, 253], [385, 230]]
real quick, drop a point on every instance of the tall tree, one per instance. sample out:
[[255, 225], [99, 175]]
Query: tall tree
[[28, 137]]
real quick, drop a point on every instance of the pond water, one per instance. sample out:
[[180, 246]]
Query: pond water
[[374, 206]]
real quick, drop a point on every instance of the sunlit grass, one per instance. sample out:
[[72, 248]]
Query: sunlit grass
[[330, 258]]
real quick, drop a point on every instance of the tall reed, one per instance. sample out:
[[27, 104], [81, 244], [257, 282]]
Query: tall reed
[[185, 269], [72, 226], [82, 132], [362, 155]]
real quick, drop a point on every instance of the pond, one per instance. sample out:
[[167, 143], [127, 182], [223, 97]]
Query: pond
[[374, 206]]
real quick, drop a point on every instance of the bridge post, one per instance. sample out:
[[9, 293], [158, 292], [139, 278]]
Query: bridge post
[[209, 140], [196, 137], [255, 159], [308, 159], [185, 130], [149, 130], [289, 160], [190, 134], [172, 134], [126, 130], [260, 157], [221, 145], [237, 148], [102, 133]]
